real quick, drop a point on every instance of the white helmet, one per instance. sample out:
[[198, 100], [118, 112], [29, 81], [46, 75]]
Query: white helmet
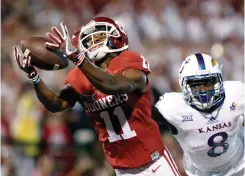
[[116, 38], [201, 68]]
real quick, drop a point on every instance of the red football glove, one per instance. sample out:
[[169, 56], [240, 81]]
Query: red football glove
[[24, 64], [63, 43]]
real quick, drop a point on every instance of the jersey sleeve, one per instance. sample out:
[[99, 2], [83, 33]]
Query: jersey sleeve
[[164, 125], [166, 107], [75, 79], [238, 88], [132, 60], [235, 90], [241, 89]]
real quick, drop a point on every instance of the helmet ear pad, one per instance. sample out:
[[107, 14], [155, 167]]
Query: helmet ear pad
[[116, 42], [111, 45]]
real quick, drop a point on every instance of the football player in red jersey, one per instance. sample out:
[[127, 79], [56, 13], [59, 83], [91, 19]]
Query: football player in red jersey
[[111, 84]]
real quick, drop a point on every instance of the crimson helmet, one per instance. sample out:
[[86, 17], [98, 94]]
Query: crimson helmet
[[114, 38]]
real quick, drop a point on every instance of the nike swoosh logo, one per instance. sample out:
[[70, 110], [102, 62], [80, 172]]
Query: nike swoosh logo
[[154, 170], [32, 74], [96, 54]]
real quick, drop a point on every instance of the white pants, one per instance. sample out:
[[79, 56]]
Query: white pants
[[164, 166]]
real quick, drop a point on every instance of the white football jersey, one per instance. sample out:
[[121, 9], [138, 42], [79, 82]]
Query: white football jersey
[[212, 144]]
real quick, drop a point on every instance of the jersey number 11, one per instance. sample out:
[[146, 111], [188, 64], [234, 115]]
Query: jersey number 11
[[127, 132]]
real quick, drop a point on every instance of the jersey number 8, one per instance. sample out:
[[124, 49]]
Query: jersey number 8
[[212, 143]]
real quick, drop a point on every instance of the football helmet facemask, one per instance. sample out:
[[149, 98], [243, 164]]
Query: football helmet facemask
[[201, 82], [100, 36]]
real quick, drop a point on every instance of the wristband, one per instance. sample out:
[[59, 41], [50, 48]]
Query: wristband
[[35, 80], [78, 60]]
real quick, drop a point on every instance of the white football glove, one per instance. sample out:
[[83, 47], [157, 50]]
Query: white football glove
[[24, 62], [63, 43]]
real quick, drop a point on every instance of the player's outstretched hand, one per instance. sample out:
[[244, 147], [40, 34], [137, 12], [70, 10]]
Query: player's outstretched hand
[[61, 41], [25, 64]]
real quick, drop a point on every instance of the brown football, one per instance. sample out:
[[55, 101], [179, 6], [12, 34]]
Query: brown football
[[41, 56]]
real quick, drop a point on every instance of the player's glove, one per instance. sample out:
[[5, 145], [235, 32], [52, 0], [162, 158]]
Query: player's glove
[[24, 62], [63, 43]]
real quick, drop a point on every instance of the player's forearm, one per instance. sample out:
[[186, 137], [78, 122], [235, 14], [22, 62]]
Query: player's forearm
[[51, 101], [105, 82]]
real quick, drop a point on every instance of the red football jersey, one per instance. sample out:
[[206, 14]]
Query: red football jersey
[[129, 136]]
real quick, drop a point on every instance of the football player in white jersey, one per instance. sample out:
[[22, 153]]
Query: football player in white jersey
[[207, 118]]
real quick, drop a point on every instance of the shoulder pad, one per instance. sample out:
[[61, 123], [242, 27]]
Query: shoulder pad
[[234, 90], [171, 106]]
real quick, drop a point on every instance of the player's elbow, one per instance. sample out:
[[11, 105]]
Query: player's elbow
[[52, 109]]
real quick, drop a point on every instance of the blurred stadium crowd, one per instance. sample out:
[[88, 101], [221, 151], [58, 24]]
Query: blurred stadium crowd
[[38, 143]]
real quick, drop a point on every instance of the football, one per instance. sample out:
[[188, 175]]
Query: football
[[41, 56]]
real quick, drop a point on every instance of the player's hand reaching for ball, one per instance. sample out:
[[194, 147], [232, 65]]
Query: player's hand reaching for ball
[[63, 42], [24, 62]]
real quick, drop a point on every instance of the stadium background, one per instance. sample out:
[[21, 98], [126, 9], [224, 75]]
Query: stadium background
[[35, 142]]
